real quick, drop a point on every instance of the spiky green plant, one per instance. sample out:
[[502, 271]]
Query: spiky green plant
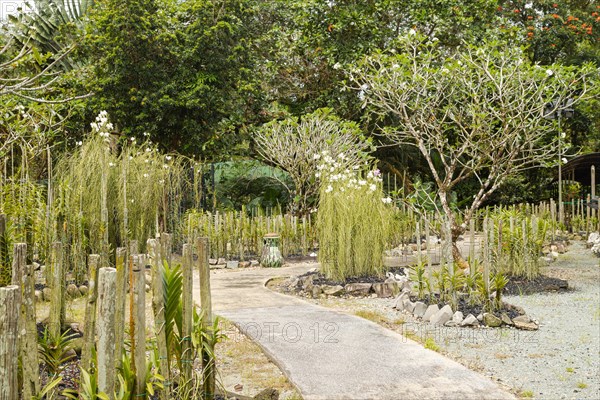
[[352, 221]]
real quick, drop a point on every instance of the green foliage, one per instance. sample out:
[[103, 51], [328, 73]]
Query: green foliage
[[53, 351], [522, 238], [88, 388], [352, 221], [172, 290], [420, 280], [235, 234]]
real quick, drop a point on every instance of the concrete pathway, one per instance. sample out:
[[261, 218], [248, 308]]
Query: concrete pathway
[[331, 355]]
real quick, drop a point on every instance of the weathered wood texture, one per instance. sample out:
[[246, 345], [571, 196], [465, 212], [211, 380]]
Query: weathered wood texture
[[55, 319], [158, 306], [9, 353], [107, 282], [120, 300], [187, 311], [89, 327], [208, 366], [22, 276], [138, 334]]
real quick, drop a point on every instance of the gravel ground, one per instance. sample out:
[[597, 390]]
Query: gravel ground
[[559, 361]]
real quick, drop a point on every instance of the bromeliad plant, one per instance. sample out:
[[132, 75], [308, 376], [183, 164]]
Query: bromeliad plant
[[353, 219]]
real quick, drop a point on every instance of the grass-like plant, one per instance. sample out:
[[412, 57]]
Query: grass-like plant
[[352, 220]]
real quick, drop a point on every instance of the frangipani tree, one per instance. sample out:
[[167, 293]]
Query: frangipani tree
[[295, 146], [477, 112]]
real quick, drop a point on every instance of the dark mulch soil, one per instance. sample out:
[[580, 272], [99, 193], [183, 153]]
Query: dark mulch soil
[[521, 286], [320, 279]]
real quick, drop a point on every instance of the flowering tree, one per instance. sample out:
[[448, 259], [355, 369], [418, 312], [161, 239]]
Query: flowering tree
[[295, 145], [476, 113]]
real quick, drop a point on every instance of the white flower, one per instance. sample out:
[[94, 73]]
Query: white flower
[[563, 135], [329, 189], [168, 158], [145, 133], [316, 156], [132, 139], [342, 156], [372, 187], [317, 175], [79, 143], [386, 200], [148, 149], [412, 32], [111, 164], [549, 72], [564, 160], [165, 166], [362, 182], [146, 161], [337, 65], [146, 175], [342, 189], [370, 174], [161, 181]]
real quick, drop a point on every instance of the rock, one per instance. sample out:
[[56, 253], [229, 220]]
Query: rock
[[491, 320], [69, 354], [313, 254], [73, 291], [524, 322], [442, 316], [39, 296], [267, 394], [561, 248], [399, 302], [254, 263], [470, 320], [414, 247], [385, 290], [593, 239], [245, 264], [450, 324], [458, 317], [409, 306], [330, 290], [74, 326], [430, 312], [47, 292], [506, 319], [306, 282], [419, 309], [316, 291], [554, 254], [358, 289], [213, 261], [313, 270], [83, 290], [232, 264], [221, 261], [596, 249], [480, 317]]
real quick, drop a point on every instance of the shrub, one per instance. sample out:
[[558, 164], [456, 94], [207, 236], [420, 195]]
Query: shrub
[[353, 220]]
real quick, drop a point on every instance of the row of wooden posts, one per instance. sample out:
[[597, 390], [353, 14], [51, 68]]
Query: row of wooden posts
[[104, 325]]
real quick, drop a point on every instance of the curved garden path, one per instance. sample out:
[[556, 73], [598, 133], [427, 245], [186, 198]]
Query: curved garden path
[[330, 355]]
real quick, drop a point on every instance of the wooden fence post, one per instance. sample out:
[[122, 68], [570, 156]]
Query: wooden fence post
[[158, 306], [138, 318], [23, 277], [9, 351], [187, 307], [56, 318], [89, 329], [106, 330], [165, 248], [208, 367], [4, 271], [120, 297]]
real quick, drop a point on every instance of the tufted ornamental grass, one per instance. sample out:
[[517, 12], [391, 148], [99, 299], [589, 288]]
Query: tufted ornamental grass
[[353, 224]]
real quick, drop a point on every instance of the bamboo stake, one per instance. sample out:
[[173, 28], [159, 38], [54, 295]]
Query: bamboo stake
[[23, 277]]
